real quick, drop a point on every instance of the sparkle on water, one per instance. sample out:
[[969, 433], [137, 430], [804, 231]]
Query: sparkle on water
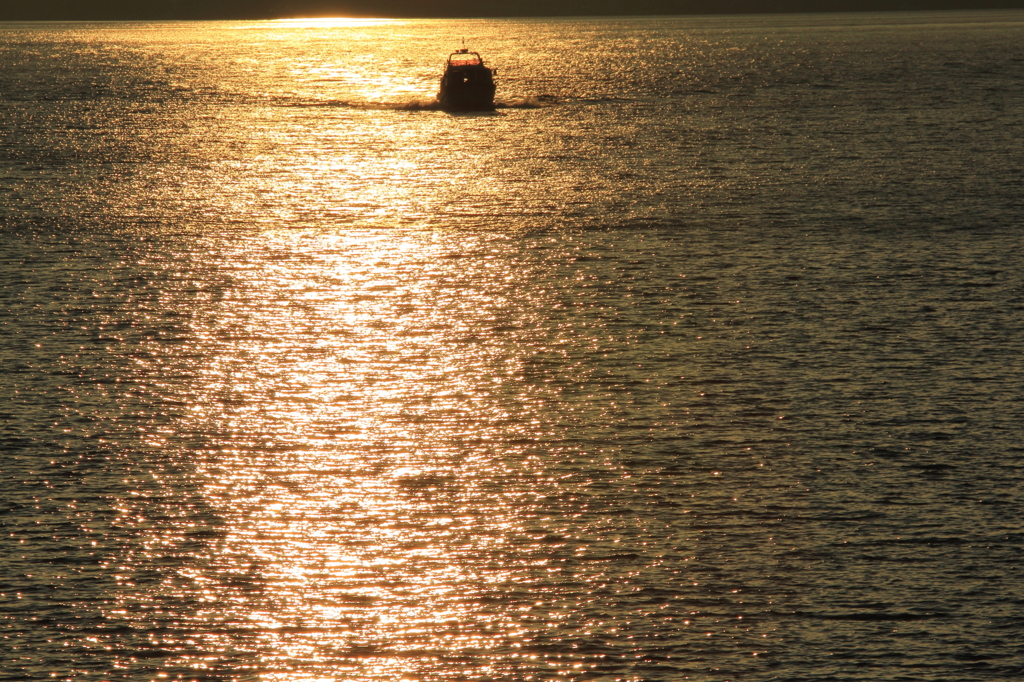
[[695, 360]]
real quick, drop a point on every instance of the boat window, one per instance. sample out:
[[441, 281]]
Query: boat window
[[464, 60]]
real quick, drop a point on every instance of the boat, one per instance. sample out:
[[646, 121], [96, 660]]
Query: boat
[[467, 85]]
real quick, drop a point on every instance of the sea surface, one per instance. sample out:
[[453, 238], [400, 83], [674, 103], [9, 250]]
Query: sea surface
[[701, 358]]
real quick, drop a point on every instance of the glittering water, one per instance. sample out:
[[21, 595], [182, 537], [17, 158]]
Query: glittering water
[[699, 359]]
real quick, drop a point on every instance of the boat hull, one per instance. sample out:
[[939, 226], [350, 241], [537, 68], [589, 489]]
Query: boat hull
[[467, 89]]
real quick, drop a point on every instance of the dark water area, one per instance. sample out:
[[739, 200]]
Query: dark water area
[[698, 359]]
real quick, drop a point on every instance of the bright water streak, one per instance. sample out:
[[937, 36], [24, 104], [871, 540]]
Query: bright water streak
[[697, 360]]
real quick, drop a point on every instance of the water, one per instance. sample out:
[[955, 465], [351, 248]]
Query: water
[[699, 359]]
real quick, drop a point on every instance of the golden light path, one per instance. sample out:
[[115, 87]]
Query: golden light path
[[357, 409], [337, 22], [356, 393]]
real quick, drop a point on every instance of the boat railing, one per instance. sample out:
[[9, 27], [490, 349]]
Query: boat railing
[[464, 58]]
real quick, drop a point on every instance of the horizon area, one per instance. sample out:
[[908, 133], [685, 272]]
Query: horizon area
[[186, 10]]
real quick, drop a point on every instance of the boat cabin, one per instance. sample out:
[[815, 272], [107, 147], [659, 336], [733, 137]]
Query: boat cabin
[[467, 85]]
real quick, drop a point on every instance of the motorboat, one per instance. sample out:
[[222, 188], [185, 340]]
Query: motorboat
[[467, 85]]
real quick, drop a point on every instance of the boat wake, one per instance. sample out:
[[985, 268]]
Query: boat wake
[[538, 102], [414, 105]]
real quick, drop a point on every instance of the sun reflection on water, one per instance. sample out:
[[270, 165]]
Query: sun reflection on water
[[309, 380], [354, 401], [337, 22]]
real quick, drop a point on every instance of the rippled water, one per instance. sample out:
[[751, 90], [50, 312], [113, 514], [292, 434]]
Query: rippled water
[[700, 359]]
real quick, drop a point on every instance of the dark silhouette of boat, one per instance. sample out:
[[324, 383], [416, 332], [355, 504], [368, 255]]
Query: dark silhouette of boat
[[467, 85]]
